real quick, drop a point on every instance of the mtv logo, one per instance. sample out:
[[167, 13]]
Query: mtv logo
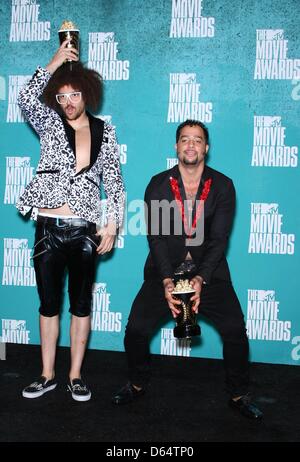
[[269, 209], [275, 34], [171, 162], [187, 78], [99, 287], [266, 295], [22, 161], [20, 243], [272, 121], [105, 37], [105, 118], [18, 325], [22, 80]]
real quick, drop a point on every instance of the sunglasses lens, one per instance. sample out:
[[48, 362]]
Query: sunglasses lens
[[62, 98], [75, 97]]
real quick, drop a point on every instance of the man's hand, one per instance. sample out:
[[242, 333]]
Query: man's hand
[[196, 283], [108, 234], [62, 54], [172, 302]]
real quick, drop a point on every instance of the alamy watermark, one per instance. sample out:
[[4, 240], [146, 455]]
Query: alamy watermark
[[296, 90], [165, 218]]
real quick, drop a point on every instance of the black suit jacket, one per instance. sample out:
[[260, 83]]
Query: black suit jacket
[[168, 250]]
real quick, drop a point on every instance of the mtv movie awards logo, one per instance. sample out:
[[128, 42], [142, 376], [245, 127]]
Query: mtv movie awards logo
[[122, 148], [263, 321], [17, 270], [171, 162], [25, 24], [184, 100], [102, 318], [2, 89], [269, 149], [187, 20], [15, 83], [14, 331], [18, 174], [272, 62], [169, 345], [103, 56], [266, 234]]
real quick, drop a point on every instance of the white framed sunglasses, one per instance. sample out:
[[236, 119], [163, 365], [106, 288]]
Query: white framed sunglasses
[[74, 97]]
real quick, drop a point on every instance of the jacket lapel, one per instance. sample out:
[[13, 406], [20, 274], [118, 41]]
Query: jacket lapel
[[96, 129]]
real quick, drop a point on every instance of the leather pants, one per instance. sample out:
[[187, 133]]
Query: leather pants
[[60, 245]]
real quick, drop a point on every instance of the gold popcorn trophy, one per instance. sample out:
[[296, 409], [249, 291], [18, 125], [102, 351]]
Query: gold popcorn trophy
[[186, 322], [69, 31]]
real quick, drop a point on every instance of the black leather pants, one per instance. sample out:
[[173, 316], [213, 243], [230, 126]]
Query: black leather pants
[[60, 245]]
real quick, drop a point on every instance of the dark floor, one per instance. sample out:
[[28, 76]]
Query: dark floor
[[186, 402]]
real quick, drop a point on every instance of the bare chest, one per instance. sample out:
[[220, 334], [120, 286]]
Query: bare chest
[[83, 147], [191, 191]]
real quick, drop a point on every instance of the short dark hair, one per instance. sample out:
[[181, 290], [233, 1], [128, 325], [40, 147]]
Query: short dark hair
[[88, 81], [192, 123]]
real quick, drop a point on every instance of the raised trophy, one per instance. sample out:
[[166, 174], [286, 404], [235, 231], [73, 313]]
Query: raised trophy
[[186, 321], [69, 31]]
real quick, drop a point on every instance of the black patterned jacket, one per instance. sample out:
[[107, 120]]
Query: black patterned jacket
[[56, 181]]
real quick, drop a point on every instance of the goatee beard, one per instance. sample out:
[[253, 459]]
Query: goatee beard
[[190, 162]]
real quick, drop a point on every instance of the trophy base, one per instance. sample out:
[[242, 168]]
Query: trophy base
[[186, 330]]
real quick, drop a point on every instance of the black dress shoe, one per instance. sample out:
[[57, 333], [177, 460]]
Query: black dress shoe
[[127, 394], [246, 407]]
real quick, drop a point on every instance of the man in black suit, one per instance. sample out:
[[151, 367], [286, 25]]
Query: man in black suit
[[202, 201]]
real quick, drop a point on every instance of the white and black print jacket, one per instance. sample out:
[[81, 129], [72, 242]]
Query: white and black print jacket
[[56, 181]]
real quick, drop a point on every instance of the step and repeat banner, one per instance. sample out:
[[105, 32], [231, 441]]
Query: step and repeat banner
[[233, 65]]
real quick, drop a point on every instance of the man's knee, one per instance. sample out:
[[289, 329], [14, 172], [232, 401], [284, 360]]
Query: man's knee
[[235, 332], [49, 309], [136, 331], [80, 310]]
